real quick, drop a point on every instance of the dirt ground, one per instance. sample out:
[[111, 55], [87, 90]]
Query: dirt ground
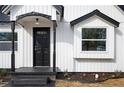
[[107, 83], [65, 83], [3, 84]]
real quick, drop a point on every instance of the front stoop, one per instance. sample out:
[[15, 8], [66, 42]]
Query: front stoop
[[32, 78]]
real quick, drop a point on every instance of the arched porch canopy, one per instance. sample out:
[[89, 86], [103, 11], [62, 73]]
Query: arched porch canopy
[[32, 16]]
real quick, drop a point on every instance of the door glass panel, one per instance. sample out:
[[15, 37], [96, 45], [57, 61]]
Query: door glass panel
[[42, 47]]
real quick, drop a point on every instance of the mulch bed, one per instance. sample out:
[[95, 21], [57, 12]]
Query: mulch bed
[[4, 81], [88, 77], [5, 78]]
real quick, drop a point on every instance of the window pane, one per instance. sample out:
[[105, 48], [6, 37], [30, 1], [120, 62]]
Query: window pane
[[93, 45], [7, 36], [7, 46], [94, 33]]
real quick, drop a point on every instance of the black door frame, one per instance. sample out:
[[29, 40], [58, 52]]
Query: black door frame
[[34, 63]]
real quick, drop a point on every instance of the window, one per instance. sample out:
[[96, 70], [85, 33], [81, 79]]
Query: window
[[93, 39], [6, 41]]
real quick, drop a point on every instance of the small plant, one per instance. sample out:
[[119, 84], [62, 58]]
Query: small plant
[[66, 74], [3, 72], [118, 73]]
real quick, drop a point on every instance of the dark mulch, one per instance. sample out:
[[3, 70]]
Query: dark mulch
[[5, 78], [88, 77]]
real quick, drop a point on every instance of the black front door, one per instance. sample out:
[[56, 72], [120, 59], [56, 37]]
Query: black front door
[[41, 47]]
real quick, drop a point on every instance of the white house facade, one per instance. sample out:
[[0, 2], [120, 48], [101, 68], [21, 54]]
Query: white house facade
[[71, 38]]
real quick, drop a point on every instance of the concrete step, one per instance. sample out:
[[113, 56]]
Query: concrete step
[[31, 76], [29, 81]]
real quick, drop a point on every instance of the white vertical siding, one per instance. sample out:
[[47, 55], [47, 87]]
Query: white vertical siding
[[64, 47], [5, 56], [72, 12], [94, 22], [82, 64], [24, 54], [28, 43], [65, 60], [5, 60], [44, 9]]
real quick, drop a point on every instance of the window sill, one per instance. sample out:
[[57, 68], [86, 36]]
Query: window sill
[[94, 52], [94, 55]]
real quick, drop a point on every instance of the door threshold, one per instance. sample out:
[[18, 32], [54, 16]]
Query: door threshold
[[41, 66]]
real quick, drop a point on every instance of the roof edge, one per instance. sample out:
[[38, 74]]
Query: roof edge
[[33, 14], [97, 13], [60, 8]]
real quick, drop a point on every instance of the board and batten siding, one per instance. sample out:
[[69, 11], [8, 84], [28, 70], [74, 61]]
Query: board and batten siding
[[64, 47], [65, 51], [65, 60], [23, 9], [24, 53], [94, 22], [5, 56], [28, 43]]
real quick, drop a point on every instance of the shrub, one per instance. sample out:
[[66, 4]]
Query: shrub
[[3, 72]]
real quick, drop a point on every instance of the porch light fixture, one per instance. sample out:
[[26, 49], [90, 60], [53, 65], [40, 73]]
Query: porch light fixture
[[37, 23]]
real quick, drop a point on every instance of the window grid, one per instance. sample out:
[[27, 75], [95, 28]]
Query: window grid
[[94, 40]]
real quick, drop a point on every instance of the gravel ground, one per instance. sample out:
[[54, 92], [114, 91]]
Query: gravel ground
[[107, 83]]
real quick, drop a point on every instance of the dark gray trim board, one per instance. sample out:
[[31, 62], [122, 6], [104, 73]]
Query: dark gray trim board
[[60, 8], [33, 14], [122, 7], [5, 22], [97, 13], [4, 8]]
